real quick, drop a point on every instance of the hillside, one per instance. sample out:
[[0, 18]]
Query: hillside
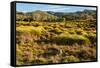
[[56, 16]]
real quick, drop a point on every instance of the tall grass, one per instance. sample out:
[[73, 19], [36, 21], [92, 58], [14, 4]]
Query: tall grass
[[54, 42]]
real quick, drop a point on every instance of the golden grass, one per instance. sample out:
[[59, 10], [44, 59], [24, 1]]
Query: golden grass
[[49, 42]]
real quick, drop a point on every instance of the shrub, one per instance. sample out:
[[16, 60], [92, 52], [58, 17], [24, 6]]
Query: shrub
[[81, 39], [70, 59], [25, 29], [51, 52], [19, 62], [32, 30], [27, 56], [39, 61], [87, 53], [36, 24], [48, 27], [79, 31], [37, 52], [38, 31], [68, 26], [24, 54], [19, 55], [24, 38], [72, 32], [70, 39], [19, 59], [92, 37], [56, 30]]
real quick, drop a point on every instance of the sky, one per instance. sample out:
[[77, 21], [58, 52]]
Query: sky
[[28, 7]]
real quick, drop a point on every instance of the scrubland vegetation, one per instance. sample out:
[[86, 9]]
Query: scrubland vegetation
[[42, 42]]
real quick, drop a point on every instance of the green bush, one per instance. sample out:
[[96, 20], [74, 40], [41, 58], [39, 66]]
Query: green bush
[[92, 37], [71, 39]]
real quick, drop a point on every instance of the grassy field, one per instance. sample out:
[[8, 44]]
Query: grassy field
[[55, 42]]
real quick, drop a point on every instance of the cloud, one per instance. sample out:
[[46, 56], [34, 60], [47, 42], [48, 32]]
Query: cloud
[[56, 8], [92, 8], [44, 7]]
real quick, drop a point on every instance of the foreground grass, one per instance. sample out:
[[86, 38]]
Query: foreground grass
[[50, 42]]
